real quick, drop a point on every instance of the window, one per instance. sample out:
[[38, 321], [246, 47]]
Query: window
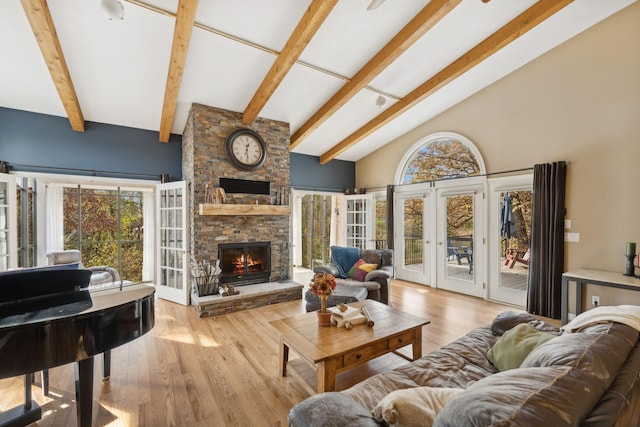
[[381, 223], [26, 216], [442, 157], [106, 225], [5, 225], [316, 229]]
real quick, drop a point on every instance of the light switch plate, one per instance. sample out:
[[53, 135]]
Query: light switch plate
[[567, 224], [572, 237]]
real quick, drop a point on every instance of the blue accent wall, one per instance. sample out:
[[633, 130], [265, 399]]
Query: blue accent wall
[[308, 174], [46, 141], [38, 139]]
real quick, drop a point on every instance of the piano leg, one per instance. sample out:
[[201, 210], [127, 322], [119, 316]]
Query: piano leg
[[45, 382], [25, 414], [84, 392], [106, 365]]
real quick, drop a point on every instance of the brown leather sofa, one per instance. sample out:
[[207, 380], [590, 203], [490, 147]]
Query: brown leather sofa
[[589, 378], [376, 282]]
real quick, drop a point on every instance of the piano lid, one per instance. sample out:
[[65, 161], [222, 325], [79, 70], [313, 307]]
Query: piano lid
[[28, 283]]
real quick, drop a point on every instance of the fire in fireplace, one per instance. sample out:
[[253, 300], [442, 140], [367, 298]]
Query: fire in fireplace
[[245, 263]]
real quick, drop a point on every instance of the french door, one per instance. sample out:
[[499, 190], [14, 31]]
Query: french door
[[8, 223], [412, 236], [359, 221], [460, 236], [439, 235], [173, 282], [510, 204]]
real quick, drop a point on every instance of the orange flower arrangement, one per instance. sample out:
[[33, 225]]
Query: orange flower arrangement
[[323, 284]]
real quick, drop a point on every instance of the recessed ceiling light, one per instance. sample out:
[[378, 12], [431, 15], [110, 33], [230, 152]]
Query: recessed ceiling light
[[375, 4], [113, 8]]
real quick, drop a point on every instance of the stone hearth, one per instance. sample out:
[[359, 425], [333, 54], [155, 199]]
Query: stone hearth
[[251, 296]]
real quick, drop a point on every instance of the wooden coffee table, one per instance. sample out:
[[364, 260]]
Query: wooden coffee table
[[330, 349]]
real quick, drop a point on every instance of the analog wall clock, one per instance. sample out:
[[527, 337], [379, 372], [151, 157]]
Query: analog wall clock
[[246, 149]]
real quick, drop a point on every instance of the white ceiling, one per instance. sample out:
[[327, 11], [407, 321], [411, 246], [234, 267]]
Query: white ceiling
[[119, 68]]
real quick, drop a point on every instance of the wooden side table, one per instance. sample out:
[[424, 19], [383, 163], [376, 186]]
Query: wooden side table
[[595, 277]]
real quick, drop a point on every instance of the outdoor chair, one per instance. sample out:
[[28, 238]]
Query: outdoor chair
[[517, 255]]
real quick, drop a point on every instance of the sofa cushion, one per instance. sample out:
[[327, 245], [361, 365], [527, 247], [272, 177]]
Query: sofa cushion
[[590, 352], [572, 370], [455, 365], [341, 295], [413, 406], [507, 320], [329, 410], [515, 345], [371, 286], [363, 270], [386, 257], [371, 256], [524, 397], [352, 270]]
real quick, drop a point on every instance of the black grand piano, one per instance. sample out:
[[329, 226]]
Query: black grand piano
[[49, 318]]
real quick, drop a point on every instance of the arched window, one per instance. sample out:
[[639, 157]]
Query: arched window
[[441, 156]]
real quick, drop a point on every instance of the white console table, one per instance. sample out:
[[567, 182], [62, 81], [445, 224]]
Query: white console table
[[595, 277]]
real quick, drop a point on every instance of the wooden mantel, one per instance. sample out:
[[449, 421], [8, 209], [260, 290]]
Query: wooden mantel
[[240, 210]]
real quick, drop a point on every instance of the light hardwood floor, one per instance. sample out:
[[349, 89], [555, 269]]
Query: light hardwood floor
[[223, 371]]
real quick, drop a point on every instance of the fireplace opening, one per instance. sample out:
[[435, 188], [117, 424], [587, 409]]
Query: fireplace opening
[[245, 263]]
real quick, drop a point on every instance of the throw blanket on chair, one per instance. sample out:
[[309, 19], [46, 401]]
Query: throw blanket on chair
[[344, 258]]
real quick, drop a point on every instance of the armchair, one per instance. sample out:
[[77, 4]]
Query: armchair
[[375, 281], [100, 274]]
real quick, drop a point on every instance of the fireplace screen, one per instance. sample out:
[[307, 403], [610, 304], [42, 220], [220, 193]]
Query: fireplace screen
[[245, 263]]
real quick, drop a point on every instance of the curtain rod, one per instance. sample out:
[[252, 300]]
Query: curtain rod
[[302, 187], [469, 176], [92, 172]]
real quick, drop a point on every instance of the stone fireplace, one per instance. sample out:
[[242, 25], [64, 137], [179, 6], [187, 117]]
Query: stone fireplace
[[204, 162]]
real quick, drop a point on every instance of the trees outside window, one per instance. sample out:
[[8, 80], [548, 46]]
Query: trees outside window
[[521, 206], [316, 228], [107, 227], [440, 159], [381, 224], [26, 215]]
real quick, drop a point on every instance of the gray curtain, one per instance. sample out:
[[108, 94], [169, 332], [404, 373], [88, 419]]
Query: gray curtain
[[546, 260], [390, 190]]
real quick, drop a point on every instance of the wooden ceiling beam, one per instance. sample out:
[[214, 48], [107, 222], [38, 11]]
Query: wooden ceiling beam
[[524, 22], [307, 27], [39, 17], [185, 17], [426, 19]]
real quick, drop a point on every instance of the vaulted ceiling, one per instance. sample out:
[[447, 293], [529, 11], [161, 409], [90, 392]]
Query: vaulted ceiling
[[324, 66]]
